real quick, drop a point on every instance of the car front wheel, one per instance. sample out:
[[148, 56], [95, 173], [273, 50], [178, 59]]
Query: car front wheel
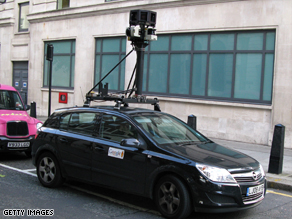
[[48, 170], [172, 198]]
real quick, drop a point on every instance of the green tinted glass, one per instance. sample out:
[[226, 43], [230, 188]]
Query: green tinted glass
[[181, 42], [111, 45], [62, 47], [61, 71], [270, 43], [124, 44], [201, 42], [220, 75], [199, 74], [113, 78], [122, 75], [222, 42], [179, 81], [73, 71], [250, 41], [268, 79], [162, 44], [144, 73], [97, 69], [98, 46], [158, 73], [248, 76]]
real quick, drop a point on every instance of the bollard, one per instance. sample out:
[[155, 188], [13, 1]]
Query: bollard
[[33, 109], [192, 121], [277, 150]]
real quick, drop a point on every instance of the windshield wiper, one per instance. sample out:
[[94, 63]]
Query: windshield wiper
[[189, 143]]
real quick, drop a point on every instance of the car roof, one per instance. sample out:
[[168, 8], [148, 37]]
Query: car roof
[[123, 110], [6, 87]]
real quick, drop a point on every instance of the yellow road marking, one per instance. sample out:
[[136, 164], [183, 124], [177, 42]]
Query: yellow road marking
[[278, 193]]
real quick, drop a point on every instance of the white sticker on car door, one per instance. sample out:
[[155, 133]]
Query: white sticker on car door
[[117, 153]]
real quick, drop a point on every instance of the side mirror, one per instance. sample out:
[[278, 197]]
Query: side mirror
[[130, 142], [27, 107]]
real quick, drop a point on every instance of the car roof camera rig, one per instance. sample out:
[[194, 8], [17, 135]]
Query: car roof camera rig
[[141, 31]]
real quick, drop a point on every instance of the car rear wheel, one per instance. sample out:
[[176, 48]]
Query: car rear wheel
[[48, 170], [172, 198]]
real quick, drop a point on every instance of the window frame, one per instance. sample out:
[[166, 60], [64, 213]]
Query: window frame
[[71, 54], [264, 51], [20, 6]]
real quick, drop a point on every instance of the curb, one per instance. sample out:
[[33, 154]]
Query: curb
[[282, 182], [281, 186]]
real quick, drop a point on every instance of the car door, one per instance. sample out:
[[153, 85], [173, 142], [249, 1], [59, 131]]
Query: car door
[[114, 165], [74, 141]]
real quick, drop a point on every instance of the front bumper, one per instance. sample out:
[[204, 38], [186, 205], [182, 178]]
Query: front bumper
[[218, 197], [16, 144]]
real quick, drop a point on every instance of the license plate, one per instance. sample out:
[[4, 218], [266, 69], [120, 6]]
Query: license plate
[[255, 190], [18, 144]]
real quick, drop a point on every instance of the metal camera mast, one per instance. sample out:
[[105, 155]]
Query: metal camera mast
[[140, 32]]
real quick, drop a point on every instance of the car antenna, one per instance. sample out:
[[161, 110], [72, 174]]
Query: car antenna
[[140, 32]]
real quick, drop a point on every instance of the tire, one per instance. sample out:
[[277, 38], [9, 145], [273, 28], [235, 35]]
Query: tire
[[172, 198], [48, 170]]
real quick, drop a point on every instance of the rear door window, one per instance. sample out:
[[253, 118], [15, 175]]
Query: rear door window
[[83, 123]]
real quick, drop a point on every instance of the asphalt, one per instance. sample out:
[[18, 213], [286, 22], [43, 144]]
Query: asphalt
[[282, 181]]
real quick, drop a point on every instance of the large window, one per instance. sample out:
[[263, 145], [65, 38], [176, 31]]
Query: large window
[[232, 66], [23, 12], [108, 52], [63, 64]]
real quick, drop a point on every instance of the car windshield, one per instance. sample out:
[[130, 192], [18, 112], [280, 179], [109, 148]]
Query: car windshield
[[165, 129], [10, 100]]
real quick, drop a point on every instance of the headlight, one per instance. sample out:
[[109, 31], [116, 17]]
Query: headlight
[[38, 125], [262, 170], [215, 174]]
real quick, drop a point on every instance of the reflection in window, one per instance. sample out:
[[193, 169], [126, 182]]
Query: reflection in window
[[165, 129], [233, 66], [83, 123], [10, 100], [220, 75], [63, 4], [109, 51], [23, 12], [248, 75], [116, 129], [63, 64]]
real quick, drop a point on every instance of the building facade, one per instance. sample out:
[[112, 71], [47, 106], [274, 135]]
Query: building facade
[[228, 62]]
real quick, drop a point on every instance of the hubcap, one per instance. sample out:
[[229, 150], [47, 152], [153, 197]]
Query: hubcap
[[47, 169], [169, 198]]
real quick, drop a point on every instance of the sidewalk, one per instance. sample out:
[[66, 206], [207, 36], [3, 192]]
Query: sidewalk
[[262, 154]]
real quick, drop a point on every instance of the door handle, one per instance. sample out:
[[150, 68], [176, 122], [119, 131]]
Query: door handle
[[64, 140], [98, 148]]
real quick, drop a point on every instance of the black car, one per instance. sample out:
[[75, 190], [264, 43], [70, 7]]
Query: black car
[[149, 153]]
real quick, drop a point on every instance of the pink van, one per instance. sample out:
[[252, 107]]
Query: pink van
[[17, 128]]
